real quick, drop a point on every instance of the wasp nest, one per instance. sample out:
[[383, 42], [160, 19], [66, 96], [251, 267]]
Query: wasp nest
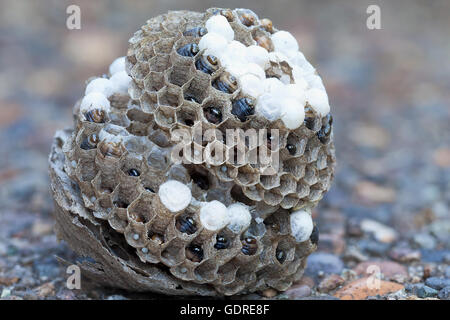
[[211, 225]]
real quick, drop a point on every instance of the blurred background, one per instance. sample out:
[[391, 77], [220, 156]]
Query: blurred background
[[389, 90]]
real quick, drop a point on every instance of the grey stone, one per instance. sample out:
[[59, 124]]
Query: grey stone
[[424, 241], [444, 294], [325, 262], [438, 283], [426, 292]]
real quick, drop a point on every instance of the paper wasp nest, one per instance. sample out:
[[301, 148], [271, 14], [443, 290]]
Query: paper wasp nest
[[207, 226]]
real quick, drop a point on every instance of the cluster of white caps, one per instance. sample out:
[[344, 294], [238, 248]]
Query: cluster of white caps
[[276, 98], [100, 89], [214, 215]]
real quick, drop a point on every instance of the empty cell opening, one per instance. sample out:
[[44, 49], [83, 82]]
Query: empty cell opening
[[199, 176], [238, 195], [187, 117], [154, 81], [169, 97], [197, 91], [159, 63], [180, 75]]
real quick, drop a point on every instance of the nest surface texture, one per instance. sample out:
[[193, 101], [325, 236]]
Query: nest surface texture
[[209, 226]]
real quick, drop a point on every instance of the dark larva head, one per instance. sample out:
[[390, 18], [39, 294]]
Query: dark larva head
[[221, 242], [194, 253], [249, 246], [280, 255], [226, 83], [186, 225], [207, 64], [324, 133], [213, 115], [95, 115], [195, 32], [134, 173], [189, 50], [314, 236], [242, 108], [191, 98], [291, 148]]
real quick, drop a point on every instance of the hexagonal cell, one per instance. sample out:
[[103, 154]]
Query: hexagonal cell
[[289, 201], [246, 195], [164, 45], [135, 234], [201, 178], [247, 176], [273, 197], [197, 90], [214, 110], [287, 184], [180, 173], [159, 63], [140, 210], [311, 175], [135, 90], [132, 167], [170, 96], [154, 81], [206, 272], [86, 170], [179, 75], [322, 160], [136, 114], [165, 116], [270, 181], [302, 190], [226, 172], [159, 137], [285, 251], [140, 71], [278, 223], [149, 102], [146, 52], [295, 167], [187, 116], [227, 272], [138, 128], [311, 151], [173, 254], [295, 145], [158, 159]]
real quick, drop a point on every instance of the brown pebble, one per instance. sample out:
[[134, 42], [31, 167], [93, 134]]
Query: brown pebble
[[388, 268], [269, 293], [365, 287], [330, 282]]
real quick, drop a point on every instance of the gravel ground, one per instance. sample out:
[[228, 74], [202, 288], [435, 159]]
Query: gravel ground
[[388, 209]]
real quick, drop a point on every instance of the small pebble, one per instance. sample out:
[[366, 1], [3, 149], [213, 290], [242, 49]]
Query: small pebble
[[426, 292]]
